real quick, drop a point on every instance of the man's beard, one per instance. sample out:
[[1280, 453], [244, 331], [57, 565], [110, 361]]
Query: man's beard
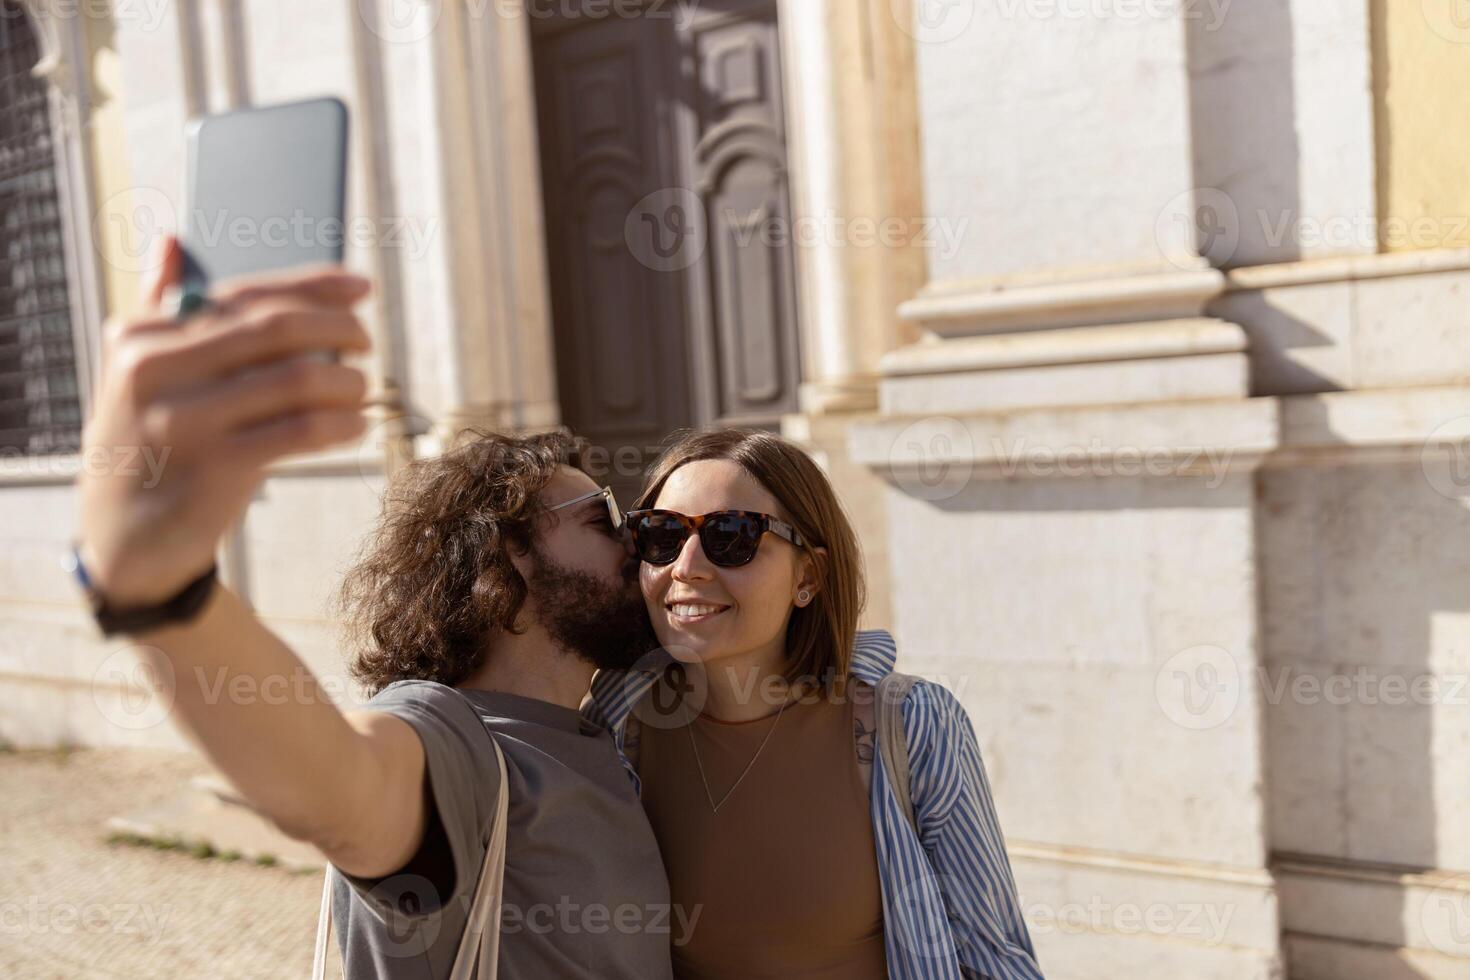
[[605, 624]]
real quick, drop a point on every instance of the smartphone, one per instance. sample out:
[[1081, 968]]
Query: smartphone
[[266, 190]]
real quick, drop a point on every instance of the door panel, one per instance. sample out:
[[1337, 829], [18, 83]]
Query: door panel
[[618, 323], [741, 296], [654, 337]]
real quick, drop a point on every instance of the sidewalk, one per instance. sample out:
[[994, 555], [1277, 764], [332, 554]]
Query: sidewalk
[[74, 906]]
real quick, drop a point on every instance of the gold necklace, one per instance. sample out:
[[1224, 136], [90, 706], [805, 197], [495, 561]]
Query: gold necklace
[[715, 807]]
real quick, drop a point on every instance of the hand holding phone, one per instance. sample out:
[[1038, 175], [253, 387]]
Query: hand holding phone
[[193, 412]]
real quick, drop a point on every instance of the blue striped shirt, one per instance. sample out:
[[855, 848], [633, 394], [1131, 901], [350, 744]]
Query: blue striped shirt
[[949, 901]]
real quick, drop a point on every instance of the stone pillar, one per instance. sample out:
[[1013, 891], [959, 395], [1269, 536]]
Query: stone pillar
[[1084, 579], [1068, 206], [1071, 449], [495, 359], [1141, 437], [852, 153], [834, 148]]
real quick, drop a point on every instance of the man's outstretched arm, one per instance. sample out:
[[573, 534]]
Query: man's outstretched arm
[[218, 398]]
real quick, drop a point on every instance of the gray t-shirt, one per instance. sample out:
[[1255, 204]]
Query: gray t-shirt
[[585, 891]]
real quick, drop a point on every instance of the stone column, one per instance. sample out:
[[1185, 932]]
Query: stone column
[[1068, 202], [1071, 450], [494, 348], [852, 148], [847, 119]]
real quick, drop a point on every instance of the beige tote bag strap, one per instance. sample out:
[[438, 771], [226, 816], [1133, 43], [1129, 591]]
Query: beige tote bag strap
[[323, 930], [482, 928], [892, 744], [485, 908]]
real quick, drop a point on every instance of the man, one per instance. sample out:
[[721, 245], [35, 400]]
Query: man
[[499, 581]]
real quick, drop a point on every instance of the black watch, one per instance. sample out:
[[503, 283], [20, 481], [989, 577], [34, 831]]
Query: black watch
[[181, 607]]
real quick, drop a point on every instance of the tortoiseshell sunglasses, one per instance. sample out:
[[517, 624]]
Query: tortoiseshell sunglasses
[[730, 537]]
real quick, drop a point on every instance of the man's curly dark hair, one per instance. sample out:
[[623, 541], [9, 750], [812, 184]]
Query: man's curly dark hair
[[434, 581]]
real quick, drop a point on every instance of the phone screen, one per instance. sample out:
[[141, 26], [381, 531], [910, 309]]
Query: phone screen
[[266, 190]]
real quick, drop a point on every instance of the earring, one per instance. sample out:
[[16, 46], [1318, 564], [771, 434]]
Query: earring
[[803, 597]]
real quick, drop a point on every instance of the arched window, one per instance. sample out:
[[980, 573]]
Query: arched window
[[40, 410]]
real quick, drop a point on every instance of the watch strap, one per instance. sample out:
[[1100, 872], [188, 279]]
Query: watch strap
[[182, 606]]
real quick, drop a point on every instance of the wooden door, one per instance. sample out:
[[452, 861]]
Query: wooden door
[[731, 144], [668, 222]]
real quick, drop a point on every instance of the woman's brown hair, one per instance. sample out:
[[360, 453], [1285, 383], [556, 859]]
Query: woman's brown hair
[[820, 636], [435, 580]]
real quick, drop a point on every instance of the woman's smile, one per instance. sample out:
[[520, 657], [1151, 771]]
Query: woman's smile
[[689, 613]]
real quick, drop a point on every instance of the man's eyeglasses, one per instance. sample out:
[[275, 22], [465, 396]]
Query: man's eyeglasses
[[729, 537], [613, 514]]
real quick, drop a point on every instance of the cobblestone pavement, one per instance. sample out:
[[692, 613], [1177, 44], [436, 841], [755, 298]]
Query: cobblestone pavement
[[74, 906]]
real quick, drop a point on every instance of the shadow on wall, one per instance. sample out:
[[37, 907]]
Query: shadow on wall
[[1243, 106], [1363, 600]]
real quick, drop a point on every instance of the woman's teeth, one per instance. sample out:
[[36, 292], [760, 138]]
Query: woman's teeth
[[690, 610]]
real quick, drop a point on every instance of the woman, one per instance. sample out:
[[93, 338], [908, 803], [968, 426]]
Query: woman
[[787, 848]]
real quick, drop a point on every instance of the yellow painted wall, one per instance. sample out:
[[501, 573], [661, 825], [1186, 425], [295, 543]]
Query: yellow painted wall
[[1421, 82], [112, 193]]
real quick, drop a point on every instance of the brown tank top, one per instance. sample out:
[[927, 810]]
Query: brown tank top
[[784, 878]]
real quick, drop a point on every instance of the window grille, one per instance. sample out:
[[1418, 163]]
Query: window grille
[[40, 408]]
